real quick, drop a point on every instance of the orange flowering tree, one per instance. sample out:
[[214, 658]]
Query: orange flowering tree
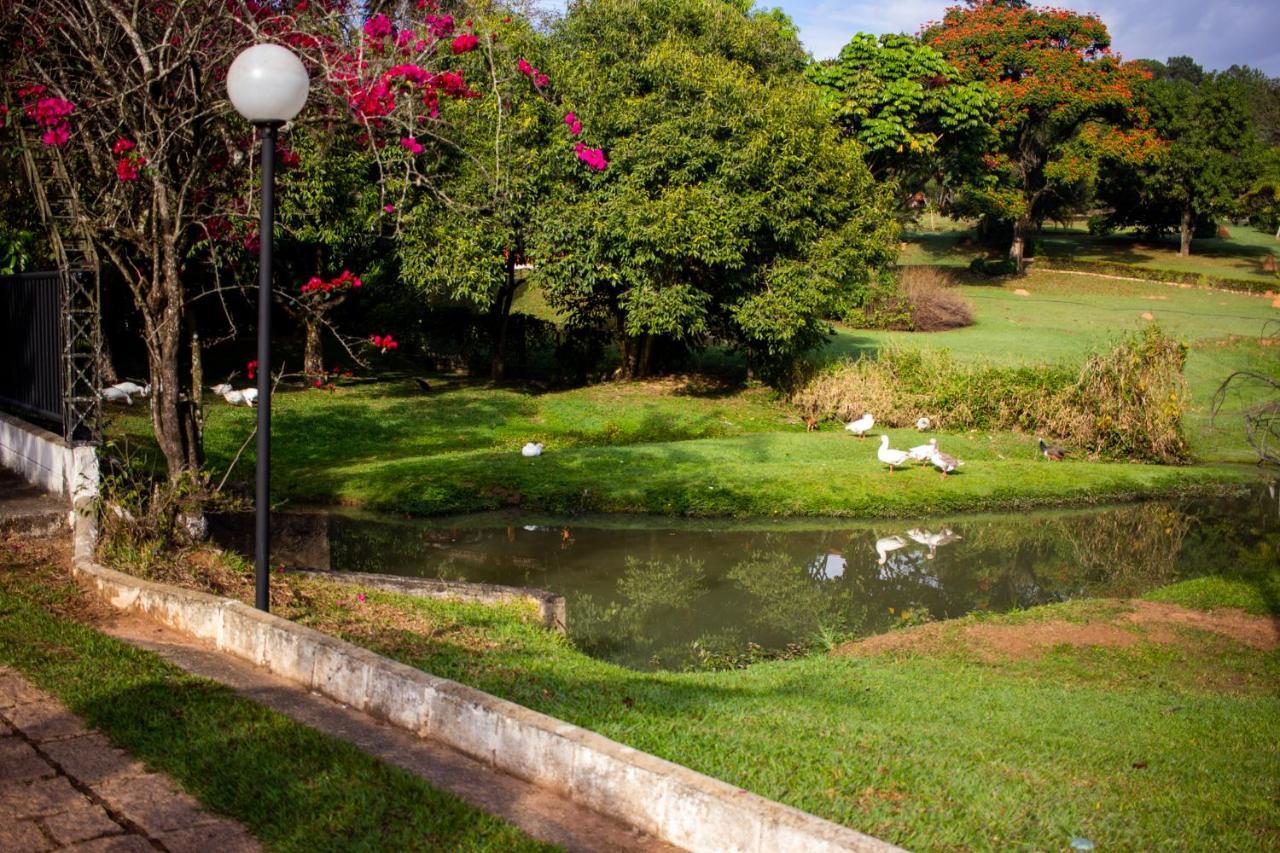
[[1065, 102]]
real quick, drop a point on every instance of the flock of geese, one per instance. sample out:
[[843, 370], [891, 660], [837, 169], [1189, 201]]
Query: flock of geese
[[124, 392], [927, 454]]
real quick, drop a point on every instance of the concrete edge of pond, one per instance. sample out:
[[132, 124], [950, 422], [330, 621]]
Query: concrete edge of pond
[[668, 801], [551, 607]]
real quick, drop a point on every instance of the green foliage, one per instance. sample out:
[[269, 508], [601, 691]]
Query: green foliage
[[1205, 167], [993, 267], [706, 225], [905, 103]]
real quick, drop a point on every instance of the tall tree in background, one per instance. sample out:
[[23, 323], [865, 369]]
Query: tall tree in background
[[732, 210], [1206, 166], [907, 107], [1063, 99]]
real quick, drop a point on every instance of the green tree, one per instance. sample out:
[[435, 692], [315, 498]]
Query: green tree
[[732, 210], [906, 105], [1063, 102], [1205, 166]]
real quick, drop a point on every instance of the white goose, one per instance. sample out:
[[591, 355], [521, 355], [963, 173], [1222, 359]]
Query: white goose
[[132, 389], [922, 453], [923, 424], [533, 448], [113, 394], [862, 425], [243, 397], [889, 456]]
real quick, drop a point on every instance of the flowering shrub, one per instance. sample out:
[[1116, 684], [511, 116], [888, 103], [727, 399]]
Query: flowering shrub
[[49, 113], [129, 159], [383, 343], [346, 281], [464, 43]]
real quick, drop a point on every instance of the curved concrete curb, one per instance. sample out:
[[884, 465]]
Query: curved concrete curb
[[670, 802], [551, 607]]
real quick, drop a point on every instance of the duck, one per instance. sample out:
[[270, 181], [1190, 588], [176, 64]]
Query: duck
[[1052, 452], [889, 456], [933, 540], [862, 425], [923, 424], [133, 389], [113, 394], [922, 453], [885, 544], [243, 397], [945, 462], [533, 448]]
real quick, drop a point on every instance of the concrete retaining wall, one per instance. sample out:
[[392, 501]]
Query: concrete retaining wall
[[551, 607], [47, 461], [668, 801]]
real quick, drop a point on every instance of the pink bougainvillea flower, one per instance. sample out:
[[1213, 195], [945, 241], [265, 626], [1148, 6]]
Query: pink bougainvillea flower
[[127, 169], [575, 126], [593, 157], [412, 144], [57, 136], [378, 27], [383, 342], [360, 597], [388, 208], [252, 367], [122, 145], [525, 68], [464, 43]]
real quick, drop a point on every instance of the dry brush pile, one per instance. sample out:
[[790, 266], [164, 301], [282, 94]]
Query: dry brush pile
[[1125, 403]]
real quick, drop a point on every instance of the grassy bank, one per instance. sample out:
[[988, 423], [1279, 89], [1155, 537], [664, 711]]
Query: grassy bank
[[693, 447], [1107, 719], [294, 788]]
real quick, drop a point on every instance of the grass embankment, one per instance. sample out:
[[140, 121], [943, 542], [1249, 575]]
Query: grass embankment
[[1133, 725], [294, 788]]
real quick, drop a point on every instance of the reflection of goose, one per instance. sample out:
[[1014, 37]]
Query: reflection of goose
[[831, 566], [933, 540], [889, 456], [862, 425], [922, 453], [885, 544]]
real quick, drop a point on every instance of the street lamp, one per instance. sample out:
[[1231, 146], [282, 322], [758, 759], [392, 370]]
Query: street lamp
[[267, 85]]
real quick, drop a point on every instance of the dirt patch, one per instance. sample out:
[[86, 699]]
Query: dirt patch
[[1143, 621]]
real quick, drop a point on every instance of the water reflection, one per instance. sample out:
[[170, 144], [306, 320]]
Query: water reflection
[[674, 594]]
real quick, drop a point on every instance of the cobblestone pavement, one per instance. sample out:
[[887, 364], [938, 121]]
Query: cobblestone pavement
[[64, 787]]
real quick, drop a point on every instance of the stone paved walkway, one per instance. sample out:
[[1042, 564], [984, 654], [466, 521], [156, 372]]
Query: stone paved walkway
[[64, 787]]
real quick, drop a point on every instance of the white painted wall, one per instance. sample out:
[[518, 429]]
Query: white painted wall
[[47, 461]]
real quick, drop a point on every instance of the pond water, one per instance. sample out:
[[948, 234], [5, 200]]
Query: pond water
[[672, 594]]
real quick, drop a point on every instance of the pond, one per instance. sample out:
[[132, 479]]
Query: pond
[[661, 593]]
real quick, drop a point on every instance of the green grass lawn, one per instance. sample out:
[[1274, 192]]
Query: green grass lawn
[[292, 787], [1239, 256], [1135, 747]]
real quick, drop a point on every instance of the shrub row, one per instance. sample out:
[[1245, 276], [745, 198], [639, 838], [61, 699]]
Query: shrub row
[[1126, 403], [1128, 271]]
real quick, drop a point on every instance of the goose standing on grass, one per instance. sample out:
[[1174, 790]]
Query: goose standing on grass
[[115, 395], [862, 425], [923, 424], [889, 456], [533, 448], [922, 453], [133, 389], [243, 397], [1052, 452], [945, 462]]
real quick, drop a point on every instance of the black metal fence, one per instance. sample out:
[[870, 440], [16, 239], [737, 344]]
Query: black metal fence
[[48, 351]]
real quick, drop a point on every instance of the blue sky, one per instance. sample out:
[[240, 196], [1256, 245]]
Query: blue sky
[[1216, 34]]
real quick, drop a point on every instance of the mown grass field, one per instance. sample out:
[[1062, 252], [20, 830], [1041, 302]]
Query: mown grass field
[[949, 243], [1149, 737]]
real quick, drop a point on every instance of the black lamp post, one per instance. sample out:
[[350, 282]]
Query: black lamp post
[[267, 85]]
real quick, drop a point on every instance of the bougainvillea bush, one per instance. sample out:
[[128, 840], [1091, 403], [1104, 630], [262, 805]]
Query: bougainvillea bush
[[130, 97]]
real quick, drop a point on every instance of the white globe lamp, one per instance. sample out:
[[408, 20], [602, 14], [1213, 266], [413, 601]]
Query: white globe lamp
[[267, 84]]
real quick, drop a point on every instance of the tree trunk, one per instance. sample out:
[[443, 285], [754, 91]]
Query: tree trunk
[[1188, 222], [106, 366], [646, 354], [1017, 249], [313, 350], [502, 314]]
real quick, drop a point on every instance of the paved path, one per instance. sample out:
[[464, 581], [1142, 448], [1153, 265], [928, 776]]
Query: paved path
[[26, 510], [64, 787], [541, 813]]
